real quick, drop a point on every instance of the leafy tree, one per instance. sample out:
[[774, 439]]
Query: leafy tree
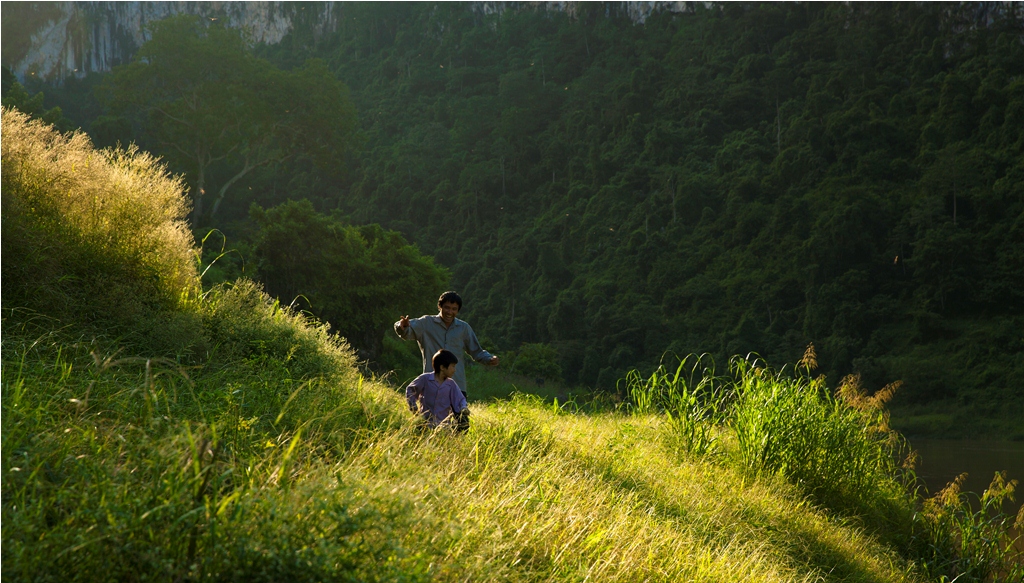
[[205, 98], [17, 97], [360, 279], [538, 361]]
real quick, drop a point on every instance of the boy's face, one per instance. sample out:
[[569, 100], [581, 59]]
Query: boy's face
[[448, 312], [448, 371]]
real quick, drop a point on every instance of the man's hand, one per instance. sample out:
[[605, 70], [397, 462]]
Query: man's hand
[[492, 362], [404, 322]]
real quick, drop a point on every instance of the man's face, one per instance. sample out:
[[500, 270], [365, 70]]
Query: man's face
[[448, 312]]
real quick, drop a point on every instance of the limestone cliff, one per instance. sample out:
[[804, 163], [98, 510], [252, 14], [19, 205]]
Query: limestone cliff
[[55, 40]]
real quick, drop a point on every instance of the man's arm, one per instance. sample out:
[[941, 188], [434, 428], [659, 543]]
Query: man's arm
[[474, 349], [404, 329]]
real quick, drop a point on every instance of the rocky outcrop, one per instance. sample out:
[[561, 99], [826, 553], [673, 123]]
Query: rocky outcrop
[[635, 11], [54, 40]]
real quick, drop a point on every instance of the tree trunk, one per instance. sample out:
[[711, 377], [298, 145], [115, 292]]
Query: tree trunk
[[197, 196], [224, 189], [672, 189]]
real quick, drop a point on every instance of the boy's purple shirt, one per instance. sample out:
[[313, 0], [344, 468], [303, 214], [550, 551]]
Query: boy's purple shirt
[[436, 401]]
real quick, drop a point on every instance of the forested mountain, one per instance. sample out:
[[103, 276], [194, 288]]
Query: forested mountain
[[730, 179]]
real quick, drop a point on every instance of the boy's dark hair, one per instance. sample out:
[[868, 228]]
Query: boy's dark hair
[[443, 358], [449, 296]]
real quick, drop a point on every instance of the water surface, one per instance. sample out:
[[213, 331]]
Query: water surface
[[942, 460]]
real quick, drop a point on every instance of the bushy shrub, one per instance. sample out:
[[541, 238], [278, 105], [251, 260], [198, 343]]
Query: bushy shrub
[[539, 361], [360, 279], [91, 237]]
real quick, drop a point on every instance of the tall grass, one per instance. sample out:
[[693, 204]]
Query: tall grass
[[838, 449], [961, 541], [119, 466], [153, 432], [92, 236], [691, 398]]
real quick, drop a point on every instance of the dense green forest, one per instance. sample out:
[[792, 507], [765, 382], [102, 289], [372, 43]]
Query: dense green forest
[[739, 178], [156, 429]]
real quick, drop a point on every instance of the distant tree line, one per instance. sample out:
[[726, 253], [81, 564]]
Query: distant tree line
[[737, 178]]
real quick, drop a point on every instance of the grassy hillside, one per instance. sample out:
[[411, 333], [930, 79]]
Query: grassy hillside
[[219, 436]]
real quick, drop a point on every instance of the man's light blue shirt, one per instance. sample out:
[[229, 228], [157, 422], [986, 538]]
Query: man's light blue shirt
[[429, 332]]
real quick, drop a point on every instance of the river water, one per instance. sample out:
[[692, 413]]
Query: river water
[[942, 460]]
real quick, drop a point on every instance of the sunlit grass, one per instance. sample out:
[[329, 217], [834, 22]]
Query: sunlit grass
[[94, 235], [229, 438], [531, 493]]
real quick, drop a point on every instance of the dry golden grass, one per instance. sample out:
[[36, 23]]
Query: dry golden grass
[[71, 212]]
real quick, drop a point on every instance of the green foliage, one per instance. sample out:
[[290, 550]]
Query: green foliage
[[358, 279], [538, 361], [16, 97], [204, 98]]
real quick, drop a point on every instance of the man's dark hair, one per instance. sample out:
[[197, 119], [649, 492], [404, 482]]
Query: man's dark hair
[[443, 358], [449, 296]]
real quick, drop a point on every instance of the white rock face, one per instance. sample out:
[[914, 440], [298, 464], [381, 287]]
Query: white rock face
[[636, 11], [76, 38], [83, 37]]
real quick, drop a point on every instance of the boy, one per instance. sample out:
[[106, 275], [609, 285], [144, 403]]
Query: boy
[[435, 396]]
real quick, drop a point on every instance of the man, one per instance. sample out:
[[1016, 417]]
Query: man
[[445, 331]]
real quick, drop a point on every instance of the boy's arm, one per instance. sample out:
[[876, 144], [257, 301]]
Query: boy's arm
[[459, 402], [412, 393]]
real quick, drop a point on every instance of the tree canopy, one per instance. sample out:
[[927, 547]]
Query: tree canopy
[[357, 278], [735, 178], [738, 178], [203, 98]]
